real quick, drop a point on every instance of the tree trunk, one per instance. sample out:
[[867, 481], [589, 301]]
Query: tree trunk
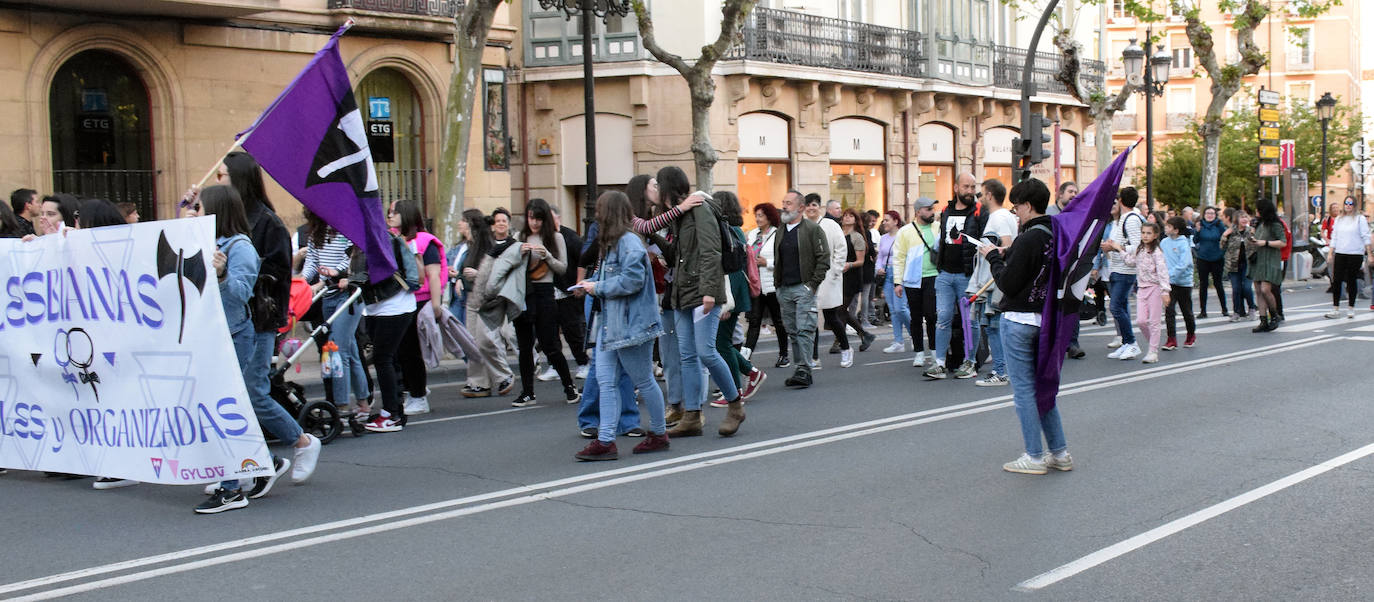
[[1210, 130], [1102, 122], [473, 23], [703, 91]]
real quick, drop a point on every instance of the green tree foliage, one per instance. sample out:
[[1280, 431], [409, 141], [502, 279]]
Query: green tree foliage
[[1178, 165]]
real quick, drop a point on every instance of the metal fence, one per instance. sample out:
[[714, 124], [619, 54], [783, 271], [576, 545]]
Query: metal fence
[[396, 184], [428, 8], [115, 185], [789, 37]]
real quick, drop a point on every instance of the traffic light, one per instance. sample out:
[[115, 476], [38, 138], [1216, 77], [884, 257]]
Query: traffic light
[[1020, 160], [1039, 138]]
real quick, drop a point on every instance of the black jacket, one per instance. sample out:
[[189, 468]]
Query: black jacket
[[573, 243], [1023, 273], [273, 244], [973, 228]]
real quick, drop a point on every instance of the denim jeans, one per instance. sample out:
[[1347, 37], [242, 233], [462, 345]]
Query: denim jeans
[[637, 361], [901, 314], [1122, 286], [671, 358], [1020, 344], [696, 341], [993, 331], [796, 302], [1242, 292], [254, 350], [589, 413], [344, 333], [949, 287], [458, 306]]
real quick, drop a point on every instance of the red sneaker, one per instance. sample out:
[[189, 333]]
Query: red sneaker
[[652, 443], [1190, 341], [751, 384], [596, 450], [1170, 344], [382, 425]]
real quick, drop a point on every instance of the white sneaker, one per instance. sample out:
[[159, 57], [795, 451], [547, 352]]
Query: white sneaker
[[1131, 352], [1116, 342], [1150, 358], [846, 358], [815, 364], [548, 375], [993, 380], [745, 352], [1333, 314], [922, 360], [417, 405], [1350, 314], [1062, 461], [1026, 465], [1116, 355], [582, 371], [304, 463], [895, 347]]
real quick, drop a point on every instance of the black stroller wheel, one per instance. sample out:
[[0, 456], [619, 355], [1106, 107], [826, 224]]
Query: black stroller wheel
[[320, 419]]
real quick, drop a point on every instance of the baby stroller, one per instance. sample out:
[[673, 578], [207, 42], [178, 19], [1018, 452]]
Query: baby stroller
[[319, 418]]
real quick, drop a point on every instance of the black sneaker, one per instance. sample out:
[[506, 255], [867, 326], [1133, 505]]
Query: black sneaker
[[867, 341], [571, 395], [798, 380], [524, 400], [262, 485], [1201, 316], [783, 362], [636, 432], [1076, 352], [222, 500], [588, 433], [505, 387]]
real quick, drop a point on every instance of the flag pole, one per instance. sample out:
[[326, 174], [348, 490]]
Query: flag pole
[[238, 142]]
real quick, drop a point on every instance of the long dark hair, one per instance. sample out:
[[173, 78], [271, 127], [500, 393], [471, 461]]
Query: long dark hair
[[9, 226], [1266, 210], [412, 220], [246, 177], [729, 207], [639, 201], [539, 209], [96, 213], [672, 185], [613, 216], [224, 203], [67, 205], [479, 237], [314, 224]]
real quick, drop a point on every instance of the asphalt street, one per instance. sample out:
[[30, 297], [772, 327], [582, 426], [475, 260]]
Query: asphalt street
[[1242, 468]]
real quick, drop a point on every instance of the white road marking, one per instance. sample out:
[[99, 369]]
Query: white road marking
[[1139, 541], [578, 484], [467, 416], [1325, 322]]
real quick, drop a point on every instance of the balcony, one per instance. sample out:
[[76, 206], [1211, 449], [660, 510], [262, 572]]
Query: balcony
[[1009, 64], [196, 9], [793, 38], [422, 8]]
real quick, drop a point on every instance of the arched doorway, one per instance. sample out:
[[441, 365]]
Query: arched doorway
[[101, 131], [858, 164], [395, 126], [765, 162], [937, 158]]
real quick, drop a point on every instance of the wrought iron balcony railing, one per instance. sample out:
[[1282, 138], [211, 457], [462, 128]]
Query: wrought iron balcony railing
[[1009, 65], [790, 37], [424, 8]]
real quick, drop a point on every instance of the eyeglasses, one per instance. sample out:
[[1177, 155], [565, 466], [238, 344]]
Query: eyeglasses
[[1350, 203]]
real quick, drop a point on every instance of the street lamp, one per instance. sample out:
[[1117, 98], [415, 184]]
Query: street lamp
[[1155, 74], [587, 9], [1326, 109]]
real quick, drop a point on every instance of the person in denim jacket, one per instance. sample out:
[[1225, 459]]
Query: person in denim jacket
[[625, 327]]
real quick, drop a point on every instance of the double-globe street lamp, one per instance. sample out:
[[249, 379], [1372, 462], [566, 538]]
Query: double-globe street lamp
[[1156, 74], [587, 10], [1326, 110]]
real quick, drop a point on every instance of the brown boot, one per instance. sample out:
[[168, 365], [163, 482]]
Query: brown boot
[[674, 414], [689, 426], [733, 417]]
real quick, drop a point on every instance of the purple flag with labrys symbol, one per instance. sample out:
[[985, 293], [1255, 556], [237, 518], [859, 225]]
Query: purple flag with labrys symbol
[[313, 141], [1077, 237]]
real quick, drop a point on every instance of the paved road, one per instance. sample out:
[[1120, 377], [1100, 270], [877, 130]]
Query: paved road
[[1239, 469]]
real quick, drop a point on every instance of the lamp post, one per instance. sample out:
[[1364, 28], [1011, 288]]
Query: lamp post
[[1155, 74], [1326, 109], [586, 10]]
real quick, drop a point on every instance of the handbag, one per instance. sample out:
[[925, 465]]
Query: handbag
[[539, 270]]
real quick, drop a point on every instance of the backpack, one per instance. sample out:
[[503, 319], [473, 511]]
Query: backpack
[[406, 268], [732, 255]]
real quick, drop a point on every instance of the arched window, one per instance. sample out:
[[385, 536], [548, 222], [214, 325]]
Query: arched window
[[395, 134]]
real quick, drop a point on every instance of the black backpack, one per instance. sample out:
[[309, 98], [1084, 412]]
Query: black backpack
[[732, 253]]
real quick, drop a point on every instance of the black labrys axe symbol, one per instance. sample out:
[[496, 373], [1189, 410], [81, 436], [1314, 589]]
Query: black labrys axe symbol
[[185, 268]]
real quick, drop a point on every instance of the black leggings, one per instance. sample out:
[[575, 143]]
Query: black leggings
[[573, 326], [852, 317], [386, 333], [540, 321], [1205, 270], [921, 303], [1182, 296], [835, 323], [408, 358], [1345, 269], [767, 302]]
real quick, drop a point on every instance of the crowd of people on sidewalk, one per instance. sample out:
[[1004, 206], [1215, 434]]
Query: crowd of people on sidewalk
[[667, 285]]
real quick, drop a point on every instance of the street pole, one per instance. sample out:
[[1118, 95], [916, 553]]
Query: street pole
[[1149, 125], [588, 114], [1027, 90], [1323, 207]]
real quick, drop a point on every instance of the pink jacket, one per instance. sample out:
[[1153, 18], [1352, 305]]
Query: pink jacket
[[1151, 270], [422, 242]]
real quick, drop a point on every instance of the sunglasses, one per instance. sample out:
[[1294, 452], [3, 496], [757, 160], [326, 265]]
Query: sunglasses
[[1350, 203]]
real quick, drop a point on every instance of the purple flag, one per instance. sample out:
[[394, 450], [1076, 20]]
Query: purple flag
[[1077, 236], [313, 142]]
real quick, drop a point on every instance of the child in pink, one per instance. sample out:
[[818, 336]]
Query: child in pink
[[1152, 287]]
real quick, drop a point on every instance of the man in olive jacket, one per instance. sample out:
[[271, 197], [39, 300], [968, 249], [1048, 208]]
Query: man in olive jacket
[[802, 257]]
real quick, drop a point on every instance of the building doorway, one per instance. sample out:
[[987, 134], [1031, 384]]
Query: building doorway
[[395, 126]]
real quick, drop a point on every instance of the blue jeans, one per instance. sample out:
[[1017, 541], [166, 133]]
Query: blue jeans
[[948, 288], [254, 351], [992, 326], [696, 341], [1242, 293], [458, 306], [1020, 344], [589, 413], [901, 314], [670, 357], [344, 333], [638, 362], [1121, 287]]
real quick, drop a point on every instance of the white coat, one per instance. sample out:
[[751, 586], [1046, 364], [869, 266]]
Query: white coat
[[831, 292]]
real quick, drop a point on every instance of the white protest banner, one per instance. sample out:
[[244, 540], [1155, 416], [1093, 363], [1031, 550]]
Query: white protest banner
[[115, 359]]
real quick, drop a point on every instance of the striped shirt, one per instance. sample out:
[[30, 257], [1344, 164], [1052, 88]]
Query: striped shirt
[[333, 255]]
